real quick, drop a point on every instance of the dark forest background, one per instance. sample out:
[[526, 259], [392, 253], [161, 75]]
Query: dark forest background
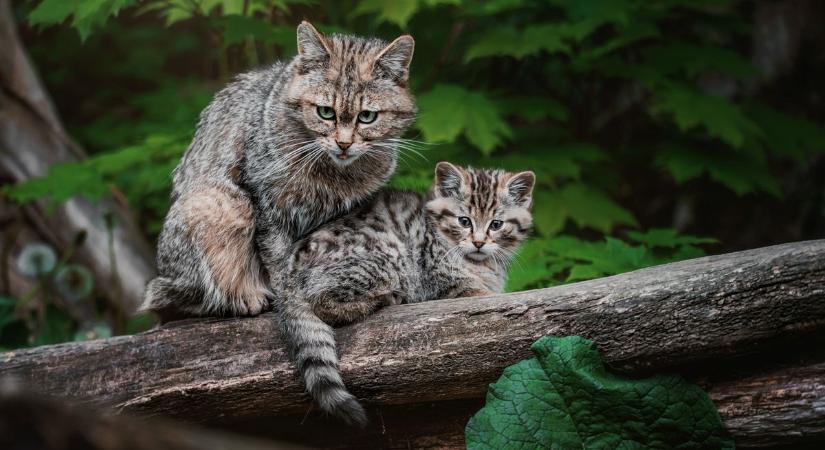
[[658, 130]]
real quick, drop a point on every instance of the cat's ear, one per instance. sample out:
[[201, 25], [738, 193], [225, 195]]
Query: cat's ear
[[520, 188], [312, 46], [394, 60], [449, 179]]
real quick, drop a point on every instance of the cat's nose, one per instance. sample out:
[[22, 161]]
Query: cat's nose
[[478, 244], [343, 145]]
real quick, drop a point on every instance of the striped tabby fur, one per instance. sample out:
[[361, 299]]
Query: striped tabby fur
[[265, 168], [399, 248]]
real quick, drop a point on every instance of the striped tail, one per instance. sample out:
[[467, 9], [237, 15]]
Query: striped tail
[[312, 342]]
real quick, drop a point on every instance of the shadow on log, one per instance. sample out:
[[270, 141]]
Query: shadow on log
[[673, 317]]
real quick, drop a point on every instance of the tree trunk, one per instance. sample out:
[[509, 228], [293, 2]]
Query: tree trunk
[[679, 317], [32, 139]]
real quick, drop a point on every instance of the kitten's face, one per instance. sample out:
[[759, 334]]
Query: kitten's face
[[352, 95], [483, 214]]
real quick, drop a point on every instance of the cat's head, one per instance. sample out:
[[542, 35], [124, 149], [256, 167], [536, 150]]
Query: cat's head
[[484, 214], [351, 95]]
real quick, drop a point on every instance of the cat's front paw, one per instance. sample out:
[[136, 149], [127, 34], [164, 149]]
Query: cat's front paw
[[250, 306]]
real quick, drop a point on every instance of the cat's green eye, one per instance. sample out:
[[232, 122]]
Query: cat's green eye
[[367, 116], [325, 112], [465, 222], [496, 225]]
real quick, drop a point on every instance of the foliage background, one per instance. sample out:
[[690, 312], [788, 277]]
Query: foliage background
[[657, 130]]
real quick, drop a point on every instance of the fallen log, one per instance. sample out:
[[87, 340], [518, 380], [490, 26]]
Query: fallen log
[[661, 318], [776, 408]]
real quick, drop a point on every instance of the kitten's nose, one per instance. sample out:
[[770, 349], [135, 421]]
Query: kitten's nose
[[343, 145], [478, 244]]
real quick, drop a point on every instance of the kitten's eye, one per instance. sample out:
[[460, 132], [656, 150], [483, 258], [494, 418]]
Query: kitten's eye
[[465, 222], [325, 112], [496, 225], [367, 116]]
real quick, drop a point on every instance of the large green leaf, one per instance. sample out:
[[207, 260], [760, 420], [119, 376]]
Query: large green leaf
[[236, 28], [151, 162], [86, 14], [565, 398], [555, 162], [448, 111], [600, 258], [398, 12], [738, 172], [786, 135], [545, 262], [691, 109], [510, 41], [586, 206], [178, 10], [694, 59]]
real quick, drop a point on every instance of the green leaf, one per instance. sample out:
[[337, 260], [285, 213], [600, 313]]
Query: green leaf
[[587, 57], [667, 238], [690, 109], [237, 28], [447, 111], [561, 161], [534, 266], [739, 173], [398, 12], [598, 11], [518, 43], [586, 206], [565, 398], [786, 135], [534, 108], [602, 258], [545, 262], [491, 7], [694, 59], [86, 14], [92, 177]]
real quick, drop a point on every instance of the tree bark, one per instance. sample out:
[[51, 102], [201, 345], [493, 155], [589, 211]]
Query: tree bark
[[777, 408], [32, 139], [672, 317]]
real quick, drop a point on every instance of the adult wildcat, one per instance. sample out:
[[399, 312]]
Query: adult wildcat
[[399, 248], [277, 153]]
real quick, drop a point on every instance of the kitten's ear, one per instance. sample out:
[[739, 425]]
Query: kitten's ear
[[449, 179], [394, 61], [520, 188], [312, 46]]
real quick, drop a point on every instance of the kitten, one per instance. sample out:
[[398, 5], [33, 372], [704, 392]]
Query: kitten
[[277, 153], [399, 248]]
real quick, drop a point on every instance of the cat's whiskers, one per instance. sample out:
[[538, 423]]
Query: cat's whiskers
[[511, 256], [400, 149], [315, 154]]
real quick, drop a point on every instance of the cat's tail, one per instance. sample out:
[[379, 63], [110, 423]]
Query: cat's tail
[[312, 343]]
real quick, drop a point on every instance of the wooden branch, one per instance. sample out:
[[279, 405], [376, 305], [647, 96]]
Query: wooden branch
[[661, 318], [777, 408], [780, 407], [32, 139]]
